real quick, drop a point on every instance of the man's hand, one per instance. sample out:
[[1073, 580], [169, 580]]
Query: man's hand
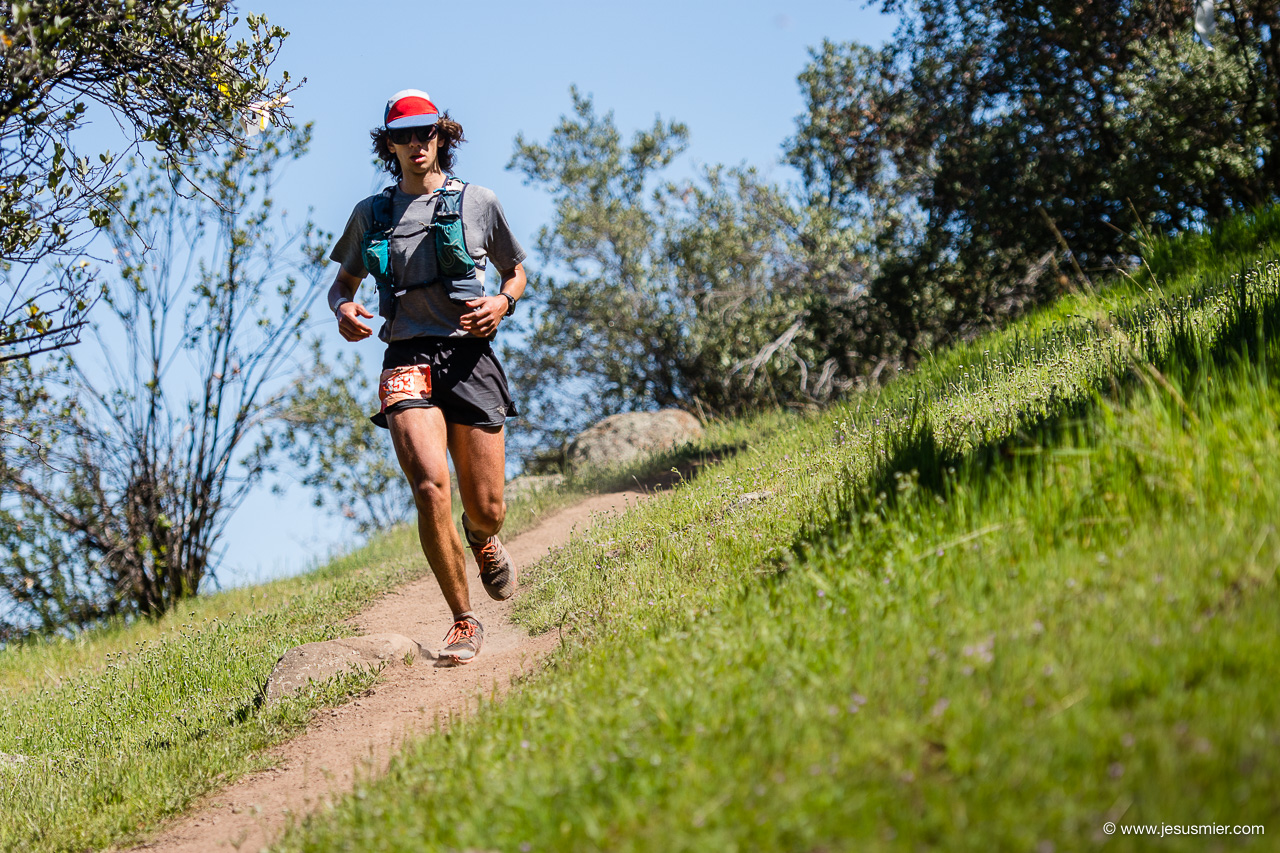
[[485, 314], [349, 324]]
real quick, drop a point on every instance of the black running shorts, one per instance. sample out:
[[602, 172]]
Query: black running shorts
[[466, 380]]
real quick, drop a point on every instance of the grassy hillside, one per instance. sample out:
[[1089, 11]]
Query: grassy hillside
[[1029, 590], [123, 726], [1022, 591]]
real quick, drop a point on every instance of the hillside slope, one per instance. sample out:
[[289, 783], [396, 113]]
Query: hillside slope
[[1018, 598], [1021, 592]]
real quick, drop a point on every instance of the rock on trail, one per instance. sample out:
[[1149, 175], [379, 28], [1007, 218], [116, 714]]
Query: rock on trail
[[321, 661]]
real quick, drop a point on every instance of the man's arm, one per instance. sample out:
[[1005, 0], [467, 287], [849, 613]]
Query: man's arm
[[342, 302], [488, 310], [513, 282]]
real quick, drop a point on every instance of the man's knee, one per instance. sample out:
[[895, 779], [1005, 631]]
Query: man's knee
[[430, 492], [490, 512]]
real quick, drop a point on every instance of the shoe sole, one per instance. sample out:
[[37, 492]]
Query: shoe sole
[[495, 594], [454, 660]]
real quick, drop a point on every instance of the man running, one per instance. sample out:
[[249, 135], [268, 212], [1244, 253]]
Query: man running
[[428, 241]]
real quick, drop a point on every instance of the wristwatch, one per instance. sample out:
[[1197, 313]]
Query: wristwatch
[[511, 303]]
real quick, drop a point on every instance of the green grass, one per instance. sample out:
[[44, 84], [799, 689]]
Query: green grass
[[1026, 590], [1027, 587]]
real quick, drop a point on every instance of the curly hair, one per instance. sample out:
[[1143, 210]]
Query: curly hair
[[448, 136]]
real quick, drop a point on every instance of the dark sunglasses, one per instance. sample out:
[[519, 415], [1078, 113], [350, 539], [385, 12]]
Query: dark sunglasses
[[402, 135]]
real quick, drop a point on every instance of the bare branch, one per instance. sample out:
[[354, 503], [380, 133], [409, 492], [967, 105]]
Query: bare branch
[[151, 478]]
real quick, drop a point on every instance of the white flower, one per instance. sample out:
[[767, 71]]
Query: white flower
[[257, 117]]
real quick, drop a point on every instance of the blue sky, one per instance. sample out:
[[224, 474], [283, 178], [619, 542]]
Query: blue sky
[[728, 70]]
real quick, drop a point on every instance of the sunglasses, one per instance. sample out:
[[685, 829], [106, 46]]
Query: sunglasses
[[402, 135]]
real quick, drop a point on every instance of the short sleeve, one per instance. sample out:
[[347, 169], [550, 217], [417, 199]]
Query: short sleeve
[[500, 244], [349, 249]]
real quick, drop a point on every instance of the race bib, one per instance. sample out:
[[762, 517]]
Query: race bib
[[411, 382]]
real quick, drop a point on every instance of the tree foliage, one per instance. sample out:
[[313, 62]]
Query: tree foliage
[[991, 155], [168, 72], [692, 293], [1001, 149], [131, 460]]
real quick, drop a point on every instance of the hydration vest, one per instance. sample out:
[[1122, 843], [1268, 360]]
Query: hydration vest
[[455, 268]]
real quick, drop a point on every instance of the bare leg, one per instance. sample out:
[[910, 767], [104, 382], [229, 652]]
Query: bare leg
[[479, 455], [421, 437]]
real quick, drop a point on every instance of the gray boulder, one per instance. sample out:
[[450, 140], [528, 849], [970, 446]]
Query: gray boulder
[[322, 661], [528, 485], [619, 439]]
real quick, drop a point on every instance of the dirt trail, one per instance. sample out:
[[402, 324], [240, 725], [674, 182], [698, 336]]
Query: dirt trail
[[359, 738]]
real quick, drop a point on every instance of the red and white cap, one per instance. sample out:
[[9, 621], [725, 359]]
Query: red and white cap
[[410, 108]]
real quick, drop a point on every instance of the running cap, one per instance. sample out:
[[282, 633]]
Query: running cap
[[409, 108]]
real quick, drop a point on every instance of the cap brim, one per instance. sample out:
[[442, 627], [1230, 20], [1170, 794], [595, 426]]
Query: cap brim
[[423, 120]]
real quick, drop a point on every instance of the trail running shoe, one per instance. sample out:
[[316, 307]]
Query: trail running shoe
[[497, 572], [462, 643]]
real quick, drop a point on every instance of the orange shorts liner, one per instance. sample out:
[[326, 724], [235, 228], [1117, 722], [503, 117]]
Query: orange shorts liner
[[411, 382]]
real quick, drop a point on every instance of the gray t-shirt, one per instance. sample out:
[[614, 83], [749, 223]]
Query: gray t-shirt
[[427, 311]]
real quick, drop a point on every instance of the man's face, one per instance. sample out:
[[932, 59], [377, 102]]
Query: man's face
[[418, 155]]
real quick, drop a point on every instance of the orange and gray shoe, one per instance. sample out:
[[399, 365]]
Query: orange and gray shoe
[[497, 572], [463, 641]]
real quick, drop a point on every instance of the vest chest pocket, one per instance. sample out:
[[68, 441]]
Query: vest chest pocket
[[452, 258]]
